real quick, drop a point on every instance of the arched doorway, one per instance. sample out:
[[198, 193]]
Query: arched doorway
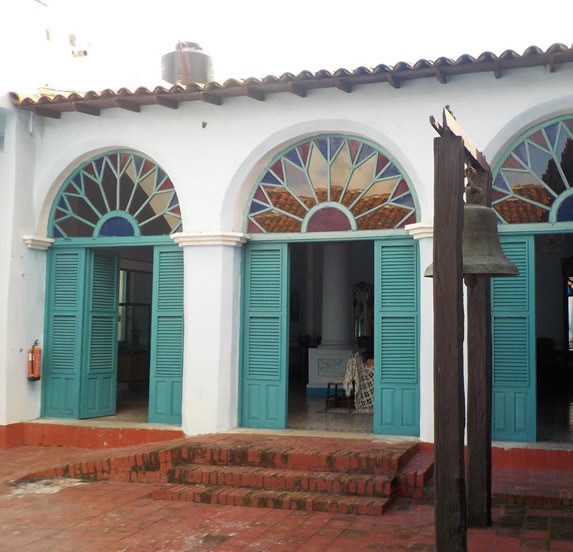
[[114, 302], [532, 351], [326, 214]]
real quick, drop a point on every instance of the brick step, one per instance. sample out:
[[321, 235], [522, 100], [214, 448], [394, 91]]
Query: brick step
[[286, 480], [305, 501], [414, 477], [382, 460], [531, 487]]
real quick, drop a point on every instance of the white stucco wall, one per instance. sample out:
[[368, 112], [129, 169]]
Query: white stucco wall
[[214, 155], [21, 275]]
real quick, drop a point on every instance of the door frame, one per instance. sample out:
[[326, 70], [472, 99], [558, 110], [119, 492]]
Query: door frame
[[98, 243], [392, 236]]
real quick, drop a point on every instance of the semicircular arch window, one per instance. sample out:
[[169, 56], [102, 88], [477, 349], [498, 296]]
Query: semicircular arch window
[[534, 174], [117, 182], [331, 183]]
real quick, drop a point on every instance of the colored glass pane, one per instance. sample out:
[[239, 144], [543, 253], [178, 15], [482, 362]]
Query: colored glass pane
[[277, 169], [116, 181], [381, 163], [328, 219], [355, 174], [401, 189], [116, 226], [322, 145], [565, 212], [318, 174], [551, 133], [544, 159]]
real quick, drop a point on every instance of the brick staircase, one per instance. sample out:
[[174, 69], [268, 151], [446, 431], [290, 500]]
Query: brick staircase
[[311, 474], [331, 474]]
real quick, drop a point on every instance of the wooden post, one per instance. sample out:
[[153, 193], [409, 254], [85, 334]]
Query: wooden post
[[479, 380], [449, 407]]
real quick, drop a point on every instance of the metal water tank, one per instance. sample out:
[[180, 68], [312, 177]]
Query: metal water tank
[[188, 63]]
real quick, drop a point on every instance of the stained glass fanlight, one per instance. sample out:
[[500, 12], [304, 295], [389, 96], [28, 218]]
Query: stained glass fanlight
[[331, 183], [116, 194], [534, 181]]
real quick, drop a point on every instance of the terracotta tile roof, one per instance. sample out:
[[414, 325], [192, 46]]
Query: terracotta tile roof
[[53, 103]]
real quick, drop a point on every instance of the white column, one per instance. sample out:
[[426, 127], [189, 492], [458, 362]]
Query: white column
[[212, 322], [336, 297], [423, 232], [328, 361]]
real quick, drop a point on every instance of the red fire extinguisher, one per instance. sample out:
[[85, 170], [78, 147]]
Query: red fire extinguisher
[[34, 362]]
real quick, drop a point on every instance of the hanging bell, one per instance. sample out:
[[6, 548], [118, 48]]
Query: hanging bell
[[481, 250]]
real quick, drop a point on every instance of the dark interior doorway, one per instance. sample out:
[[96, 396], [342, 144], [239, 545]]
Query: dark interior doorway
[[554, 322], [306, 400]]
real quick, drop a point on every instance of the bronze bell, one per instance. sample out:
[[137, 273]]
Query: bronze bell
[[481, 250]]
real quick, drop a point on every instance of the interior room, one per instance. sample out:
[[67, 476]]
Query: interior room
[[308, 407]]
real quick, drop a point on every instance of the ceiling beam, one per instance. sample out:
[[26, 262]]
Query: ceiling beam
[[209, 98], [87, 109], [127, 104], [393, 81], [44, 112], [344, 85], [297, 89], [441, 76], [551, 64], [167, 102], [255, 94]]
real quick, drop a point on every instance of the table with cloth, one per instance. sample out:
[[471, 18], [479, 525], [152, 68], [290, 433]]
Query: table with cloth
[[359, 378]]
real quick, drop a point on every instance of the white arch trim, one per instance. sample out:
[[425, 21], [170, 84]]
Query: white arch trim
[[499, 145]]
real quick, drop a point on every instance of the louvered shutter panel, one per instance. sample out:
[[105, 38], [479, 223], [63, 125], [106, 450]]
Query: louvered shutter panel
[[265, 336], [396, 348], [513, 335], [166, 371], [99, 373], [64, 324]]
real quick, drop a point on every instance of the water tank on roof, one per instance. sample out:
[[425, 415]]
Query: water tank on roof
[[188, 63]]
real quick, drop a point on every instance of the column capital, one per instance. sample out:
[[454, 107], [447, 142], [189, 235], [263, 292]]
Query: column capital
[[420, 230], [38, 242], [186, 239]]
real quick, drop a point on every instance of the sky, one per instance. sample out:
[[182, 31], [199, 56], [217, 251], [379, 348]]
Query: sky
[[125, 39]]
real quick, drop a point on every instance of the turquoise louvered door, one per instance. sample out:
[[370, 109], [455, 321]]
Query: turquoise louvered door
[[513, 336], [396, 356], [99, 366], [265, 336], [64, 331], [166, 368]]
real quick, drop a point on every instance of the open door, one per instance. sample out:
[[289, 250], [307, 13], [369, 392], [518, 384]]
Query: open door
[[81, 334], [513, 336], [64, 333], [265, 339], [166, 363], [396, 330], [99, 366]]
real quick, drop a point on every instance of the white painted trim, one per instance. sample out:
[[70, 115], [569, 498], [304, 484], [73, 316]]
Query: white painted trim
[[37, 242], [420, 230], [185, 239]]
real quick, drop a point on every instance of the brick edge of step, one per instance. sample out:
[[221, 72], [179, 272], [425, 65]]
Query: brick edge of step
[[413, 479], [305, 501], [340, 484]]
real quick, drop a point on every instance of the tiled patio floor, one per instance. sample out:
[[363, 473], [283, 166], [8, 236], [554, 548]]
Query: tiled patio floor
[[114, 516]]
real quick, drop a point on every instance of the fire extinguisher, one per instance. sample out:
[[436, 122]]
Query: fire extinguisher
[[34, 362]]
